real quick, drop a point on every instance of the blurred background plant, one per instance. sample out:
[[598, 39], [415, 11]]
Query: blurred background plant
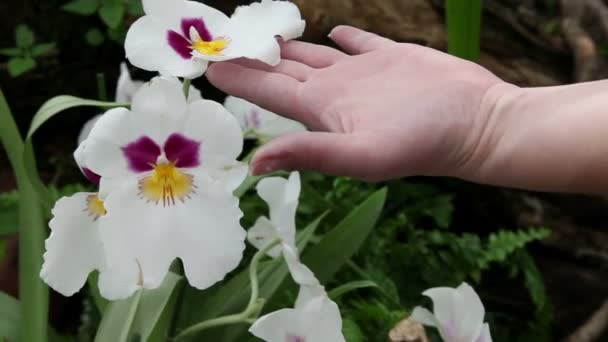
[[531, 256]]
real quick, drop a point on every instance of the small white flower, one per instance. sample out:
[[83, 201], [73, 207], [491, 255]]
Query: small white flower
[[315, 318], [126, 88], [168, 169], [281, 195], [458, 314], [258, 122], [180, 37]]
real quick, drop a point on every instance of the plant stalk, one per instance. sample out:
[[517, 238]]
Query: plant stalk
[[253, 307], [33, 293]]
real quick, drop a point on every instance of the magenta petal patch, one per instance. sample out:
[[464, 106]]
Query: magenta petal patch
[[91, 176], [180, 44], [200, 27], [182, 151], [141, 154]]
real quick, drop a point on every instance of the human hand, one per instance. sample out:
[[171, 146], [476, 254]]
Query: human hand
[[385, 111]]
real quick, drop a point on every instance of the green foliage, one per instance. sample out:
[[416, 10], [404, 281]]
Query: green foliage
[[9, 317], [22, 57], [9, 213], [111, 12], [464, 25]]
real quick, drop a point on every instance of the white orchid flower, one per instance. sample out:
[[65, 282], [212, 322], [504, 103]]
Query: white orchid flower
[[458, 314], [258, 122], [168, 169], [315, 318], [281, 195], [126, 87], [179, 37]]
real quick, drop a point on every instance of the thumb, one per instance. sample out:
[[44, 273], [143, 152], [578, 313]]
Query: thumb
[[329, 153], [356, 41]]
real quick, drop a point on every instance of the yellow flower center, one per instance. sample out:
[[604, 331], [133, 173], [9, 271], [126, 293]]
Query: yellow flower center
[[166, 183], [212, 48], [95, 206]]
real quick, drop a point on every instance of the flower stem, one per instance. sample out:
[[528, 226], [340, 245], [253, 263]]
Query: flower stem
[[253, 307], [33, 293], [186, 87]]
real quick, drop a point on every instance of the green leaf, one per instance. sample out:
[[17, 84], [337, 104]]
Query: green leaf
[[9, 213], [112, 13], [100, 302], [94, 37], [18, 66], [464, 25], [42, 49], [12, 52], [82, 7], [117, 319], [48, 110], [350, 286], [343, 241], [352, 332], [152, 306], [24, 37], [10, 317], [135, 8]]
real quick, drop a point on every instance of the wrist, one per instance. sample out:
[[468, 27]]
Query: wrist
[[490, 125]]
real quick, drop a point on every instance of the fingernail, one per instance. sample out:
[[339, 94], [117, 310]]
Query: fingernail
[[266, 166]]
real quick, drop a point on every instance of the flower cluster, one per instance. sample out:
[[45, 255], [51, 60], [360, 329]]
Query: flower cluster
[[166, 169]]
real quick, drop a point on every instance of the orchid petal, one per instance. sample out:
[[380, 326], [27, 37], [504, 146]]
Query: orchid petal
[[74, 248]]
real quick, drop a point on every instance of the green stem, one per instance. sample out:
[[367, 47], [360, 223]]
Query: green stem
[[101, 87], [253, 307], [33, 293], [186, 87]]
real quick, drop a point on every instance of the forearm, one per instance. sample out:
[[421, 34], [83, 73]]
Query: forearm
[[550, 139]]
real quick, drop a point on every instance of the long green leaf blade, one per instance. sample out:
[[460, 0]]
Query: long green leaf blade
[[342, 242], [464, 25]]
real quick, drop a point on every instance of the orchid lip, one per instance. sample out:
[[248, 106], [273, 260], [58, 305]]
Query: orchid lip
[[195, 36]]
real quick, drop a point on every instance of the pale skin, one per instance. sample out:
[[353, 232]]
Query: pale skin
[[380, 110]]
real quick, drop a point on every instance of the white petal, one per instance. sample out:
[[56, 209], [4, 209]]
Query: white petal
[[281, 195], [229, 173], [300, 273], [138, 240], [87, 127], [209, 237], [472, 313], [147, 48], [424, 316], [103, 153], [276, 326], [263, 122], [308, 293], [160, 97], [74, 248], [79, 155], [485, 335], [262, 233], [252, 30], [444, 304], [126, 87], [193, 94], [221, 136]]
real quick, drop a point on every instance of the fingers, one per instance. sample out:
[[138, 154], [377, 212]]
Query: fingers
[[297, 70], [316, 56], [273, 91], [328, 153], [356, 41]]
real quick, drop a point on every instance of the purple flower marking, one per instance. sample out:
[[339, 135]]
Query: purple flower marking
[[295, 338], [143, 153], [180, 42], [182, 151], [91, 176]]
